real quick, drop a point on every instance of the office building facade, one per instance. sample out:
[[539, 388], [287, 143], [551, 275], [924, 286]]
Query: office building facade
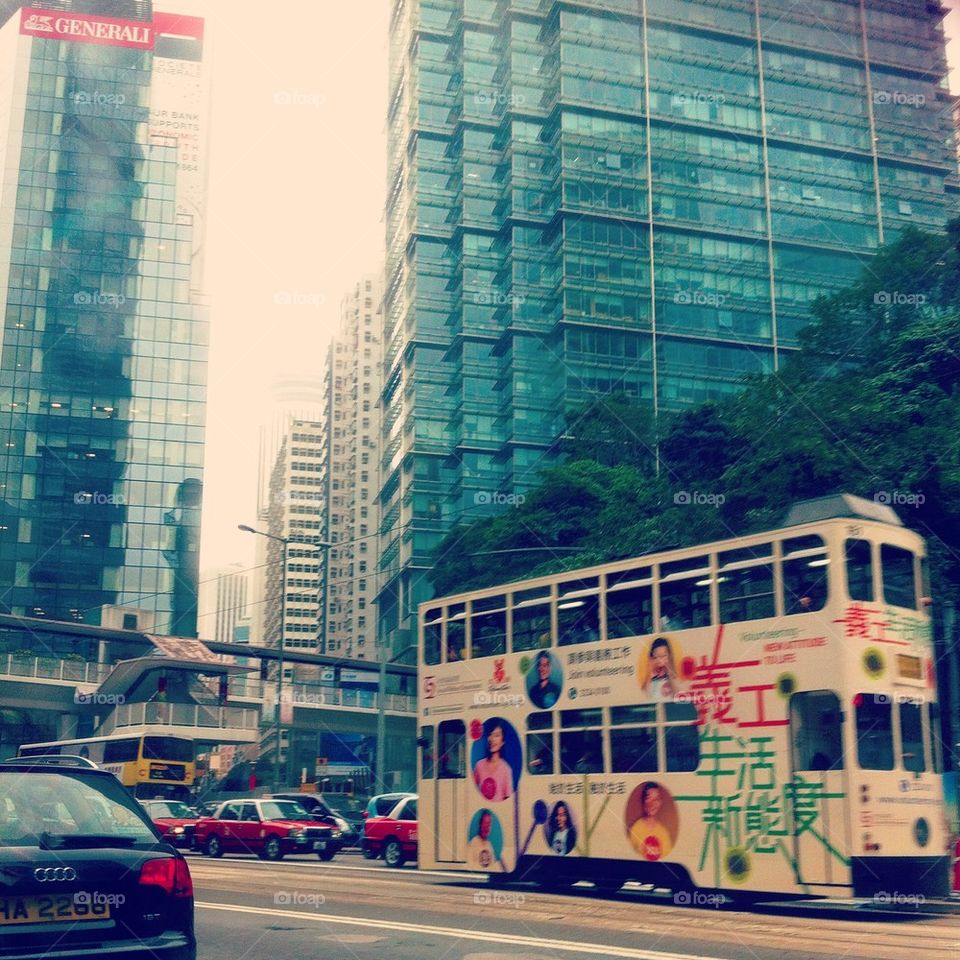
[[104, 330], [352, 385], [223, 603], [631, 196]]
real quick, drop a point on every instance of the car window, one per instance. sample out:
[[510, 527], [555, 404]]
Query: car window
[[249, 812], [282, 810], [231, 812], [61, 805]]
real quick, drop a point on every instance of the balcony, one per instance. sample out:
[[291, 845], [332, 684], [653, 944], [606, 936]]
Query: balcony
[[48, 668], [225, 724]]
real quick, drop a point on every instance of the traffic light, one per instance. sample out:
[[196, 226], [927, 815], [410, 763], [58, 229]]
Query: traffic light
[[224, 690]]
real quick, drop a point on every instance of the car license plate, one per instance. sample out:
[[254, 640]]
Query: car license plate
[[319, 844], [64, 907]]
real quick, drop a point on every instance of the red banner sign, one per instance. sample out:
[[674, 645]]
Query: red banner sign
[[81, 28]]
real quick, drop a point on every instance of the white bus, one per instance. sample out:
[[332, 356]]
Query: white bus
[[757, 714]]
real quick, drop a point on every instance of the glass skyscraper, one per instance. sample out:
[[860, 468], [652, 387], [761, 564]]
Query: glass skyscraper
[[636, 196], [104, 333]]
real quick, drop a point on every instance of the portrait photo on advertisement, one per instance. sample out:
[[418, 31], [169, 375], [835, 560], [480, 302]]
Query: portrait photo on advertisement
[[496, 759], [545, 680], [652, 820]]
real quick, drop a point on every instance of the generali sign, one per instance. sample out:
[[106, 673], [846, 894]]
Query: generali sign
[[81, 28]]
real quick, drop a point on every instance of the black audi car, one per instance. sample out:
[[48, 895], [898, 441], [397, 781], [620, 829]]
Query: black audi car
[[83, 871]]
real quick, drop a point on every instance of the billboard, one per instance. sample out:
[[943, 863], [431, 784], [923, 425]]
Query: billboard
[[179, 111], [83, 28]]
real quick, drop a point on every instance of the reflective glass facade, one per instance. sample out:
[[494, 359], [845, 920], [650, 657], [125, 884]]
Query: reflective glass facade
[[103, 356], [641, 196]]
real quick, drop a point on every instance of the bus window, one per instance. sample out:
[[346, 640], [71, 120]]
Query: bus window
[[531, 620], [685, 600], [746, 593], [874, 731], [432, 628], [629, 603], [121, 751], [815, 724], [452, 744], [899, 584], [168, 748], [488, 627], [682, 737], [806, 568], [456, 632], [936, 737], [578, 612], [427, 755], [633, 739], [859, 570], [911, 738], [581, 750]]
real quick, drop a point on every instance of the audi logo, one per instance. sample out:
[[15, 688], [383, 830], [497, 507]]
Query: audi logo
[[54, 874]]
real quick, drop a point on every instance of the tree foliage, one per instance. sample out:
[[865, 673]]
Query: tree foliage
[[868, 405]]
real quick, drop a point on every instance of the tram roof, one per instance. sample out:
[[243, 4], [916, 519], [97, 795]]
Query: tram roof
[[840, 505]]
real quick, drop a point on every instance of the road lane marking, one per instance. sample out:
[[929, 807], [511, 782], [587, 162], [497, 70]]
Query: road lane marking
[[501, 939], [385, 871]]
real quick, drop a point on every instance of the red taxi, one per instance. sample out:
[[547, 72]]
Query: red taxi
[[174, 819], [268, 828], [392, 835]]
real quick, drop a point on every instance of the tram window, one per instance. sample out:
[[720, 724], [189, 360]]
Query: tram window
[[859, 570], [936, 737], [452, 743], [427, 755], [540, 753], [899, 583], [630, 612], [456, 633], [683, 748], [578, 614], [874, 731], [806, 570], [746, 594], [581, 751], [540, 721], [685, 603], [432, 628], [911, 738], [531, 626], [489, 633], [633, 739], [815, 725], [633, 750]]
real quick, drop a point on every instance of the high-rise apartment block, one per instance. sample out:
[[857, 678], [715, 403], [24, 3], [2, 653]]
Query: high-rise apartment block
[[294, 572], [103, 329], [636, 196], [352, 385]]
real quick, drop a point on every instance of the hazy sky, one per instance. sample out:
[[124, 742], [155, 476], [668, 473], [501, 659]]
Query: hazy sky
[[296, 200], [296, 197]]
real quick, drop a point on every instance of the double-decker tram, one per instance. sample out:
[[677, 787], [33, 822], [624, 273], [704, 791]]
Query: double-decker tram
[[757, 714], [149, 766]]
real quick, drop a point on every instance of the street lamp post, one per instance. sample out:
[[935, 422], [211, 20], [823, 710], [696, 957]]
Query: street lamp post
[[286, 541]]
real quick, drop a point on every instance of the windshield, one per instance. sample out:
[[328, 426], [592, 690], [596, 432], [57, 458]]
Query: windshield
[[173, 810], [283, 810], [37, 807]]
